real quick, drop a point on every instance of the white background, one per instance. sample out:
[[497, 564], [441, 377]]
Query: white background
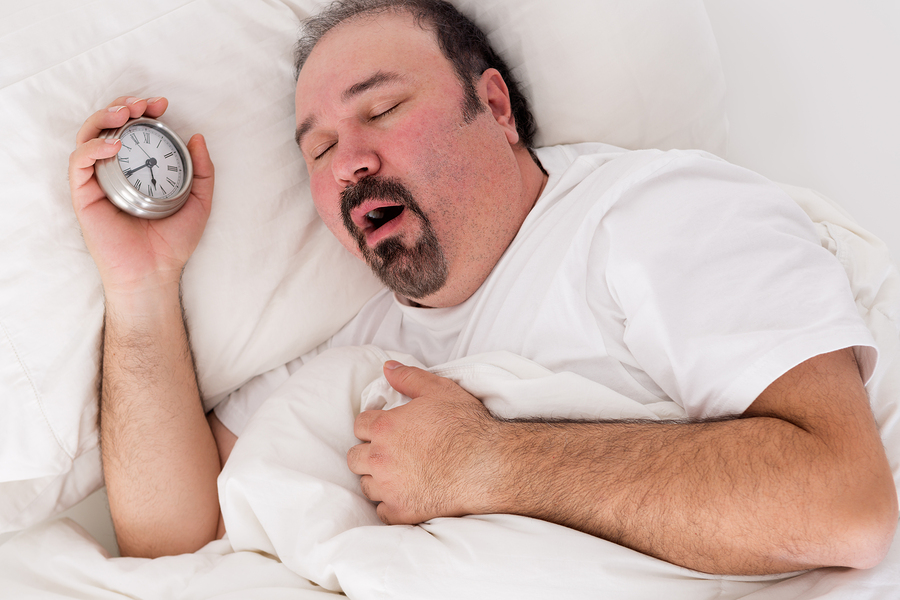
[[814, 99]]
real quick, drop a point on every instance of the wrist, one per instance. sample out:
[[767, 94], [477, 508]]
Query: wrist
[[149, 301], [531, 466], [501, 459]]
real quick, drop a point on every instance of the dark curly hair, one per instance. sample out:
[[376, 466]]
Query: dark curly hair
[[461, 41]]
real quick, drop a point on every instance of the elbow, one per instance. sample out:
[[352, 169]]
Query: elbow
[[872, 538], [853, 527], [158, 540], [161, 549], [870, 526]]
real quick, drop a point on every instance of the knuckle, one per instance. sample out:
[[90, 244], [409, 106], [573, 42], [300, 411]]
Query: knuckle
[[379, 459], [446, 385], [361, 423], [381, 425]]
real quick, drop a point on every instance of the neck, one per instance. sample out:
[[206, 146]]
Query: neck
[[534, 177]]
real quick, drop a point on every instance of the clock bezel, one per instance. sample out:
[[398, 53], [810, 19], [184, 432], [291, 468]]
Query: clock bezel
[[121, 193]]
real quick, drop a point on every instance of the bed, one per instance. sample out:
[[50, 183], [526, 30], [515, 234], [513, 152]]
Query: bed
[[268, 282]]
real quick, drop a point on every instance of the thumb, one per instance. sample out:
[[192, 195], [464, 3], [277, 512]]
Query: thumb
[[204, 171], [203, 167], [411, 381]]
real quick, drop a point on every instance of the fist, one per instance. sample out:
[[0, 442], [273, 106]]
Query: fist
[[432, 457]]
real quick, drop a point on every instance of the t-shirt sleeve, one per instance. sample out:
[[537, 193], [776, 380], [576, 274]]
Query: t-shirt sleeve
[[723, 284]]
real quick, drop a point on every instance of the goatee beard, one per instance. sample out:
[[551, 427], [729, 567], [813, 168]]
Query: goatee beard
[[413, 272]]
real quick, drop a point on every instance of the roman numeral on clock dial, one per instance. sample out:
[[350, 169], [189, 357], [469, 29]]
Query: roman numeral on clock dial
[[146, 162]]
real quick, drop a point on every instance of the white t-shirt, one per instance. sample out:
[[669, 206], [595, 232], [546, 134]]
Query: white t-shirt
[[662, 275]]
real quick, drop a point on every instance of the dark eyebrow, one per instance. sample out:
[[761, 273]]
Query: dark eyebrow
[[378, 79], [303, 129]]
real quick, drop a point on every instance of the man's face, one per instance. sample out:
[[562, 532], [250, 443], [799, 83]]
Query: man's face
[[398, 173]]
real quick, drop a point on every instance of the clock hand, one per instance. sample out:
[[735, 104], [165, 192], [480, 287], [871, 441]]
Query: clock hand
[[129, 172], [150, 162], [142, 150]]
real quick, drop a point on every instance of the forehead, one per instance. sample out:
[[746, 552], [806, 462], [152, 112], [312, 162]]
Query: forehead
[[356, 50]]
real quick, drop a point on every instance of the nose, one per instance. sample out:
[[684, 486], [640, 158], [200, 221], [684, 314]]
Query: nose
[[355, 158]]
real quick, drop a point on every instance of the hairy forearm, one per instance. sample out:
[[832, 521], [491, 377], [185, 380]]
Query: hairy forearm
[[674, 491], [800, 480], [159, 457], [745, 496]]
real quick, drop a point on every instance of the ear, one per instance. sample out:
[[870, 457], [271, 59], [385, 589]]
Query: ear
[[495, 94]]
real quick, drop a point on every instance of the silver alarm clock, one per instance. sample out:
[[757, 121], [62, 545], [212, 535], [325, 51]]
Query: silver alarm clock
[[151, 175]]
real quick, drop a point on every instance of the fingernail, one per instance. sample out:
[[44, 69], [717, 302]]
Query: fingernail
[[152, 100], [111, 140], [115, 109], [132, 100], [392, 364]]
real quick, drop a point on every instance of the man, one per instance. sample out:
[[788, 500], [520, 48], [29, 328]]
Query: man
[[662, 275]]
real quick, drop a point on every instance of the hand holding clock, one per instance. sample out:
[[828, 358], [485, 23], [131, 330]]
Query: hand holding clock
[[133, 253], [159, 455]]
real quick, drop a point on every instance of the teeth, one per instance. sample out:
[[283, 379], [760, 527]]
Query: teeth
[[375, 214]]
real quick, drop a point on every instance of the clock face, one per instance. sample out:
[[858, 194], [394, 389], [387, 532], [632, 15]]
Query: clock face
[[150, 162]]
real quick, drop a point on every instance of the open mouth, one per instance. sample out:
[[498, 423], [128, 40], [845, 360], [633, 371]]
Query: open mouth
[[378, 217], [374, 209], [374, 215]]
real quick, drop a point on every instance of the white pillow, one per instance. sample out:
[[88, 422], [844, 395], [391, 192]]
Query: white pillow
[[635, 74], [268, 281]]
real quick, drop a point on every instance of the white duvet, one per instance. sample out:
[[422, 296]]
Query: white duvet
[[299, 527]]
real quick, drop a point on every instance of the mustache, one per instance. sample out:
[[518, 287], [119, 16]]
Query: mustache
[[390, 189]]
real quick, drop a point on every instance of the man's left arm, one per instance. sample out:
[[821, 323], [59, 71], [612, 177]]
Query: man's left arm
[[801, 480]]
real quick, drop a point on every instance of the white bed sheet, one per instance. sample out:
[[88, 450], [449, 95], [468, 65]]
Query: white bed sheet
[[299, 527]]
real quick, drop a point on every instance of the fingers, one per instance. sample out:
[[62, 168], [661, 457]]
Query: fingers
[[385, 514], [389, 514], [117, 113], [357, 459], [369, 490], [107, 118], [412, 381], [81, 161], [203, 166], [84, 188], [362, 426], [156, 107], [204, 171]]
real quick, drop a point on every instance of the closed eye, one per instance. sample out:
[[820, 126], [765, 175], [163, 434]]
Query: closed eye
[[322, 153], [385, 113], [372, 118]]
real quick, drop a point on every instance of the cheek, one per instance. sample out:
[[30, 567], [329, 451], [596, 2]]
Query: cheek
[[429, 136], [328, 207]]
